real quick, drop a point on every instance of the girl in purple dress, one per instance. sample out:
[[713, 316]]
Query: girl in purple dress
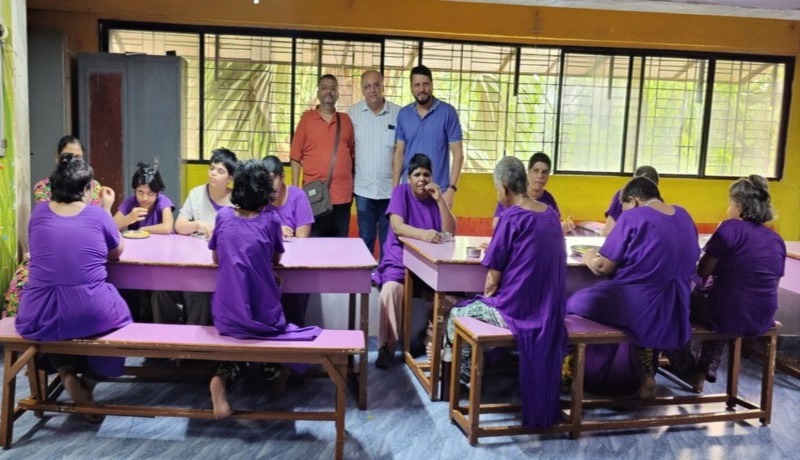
[[294, 213], [539, 166], [148, 209], [615, 207], [649, 257], [246, 243], [744, 261], [67, 295], [416, 210], [525, 292]]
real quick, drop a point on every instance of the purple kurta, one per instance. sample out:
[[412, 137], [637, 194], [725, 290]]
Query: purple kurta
[[648, 294], [751, 260], [296, 212], [247, 302], [67, 296], [154, 217], [615, 207], [417, 213], [546, 198], [528, 248]]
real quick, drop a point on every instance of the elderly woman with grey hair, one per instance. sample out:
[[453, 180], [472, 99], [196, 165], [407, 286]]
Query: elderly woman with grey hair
[[742, 262], [525, 292]]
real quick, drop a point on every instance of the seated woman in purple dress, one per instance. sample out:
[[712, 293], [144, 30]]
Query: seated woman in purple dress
[[615, 207], [649, 257], [147, 209], [294, 213], [539, 166], [67, 295], [416, 210], [246, 243], [41, 193], [744, 261], [525, 292]]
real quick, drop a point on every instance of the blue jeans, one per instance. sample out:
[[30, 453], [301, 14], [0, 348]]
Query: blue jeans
[[372, 221]]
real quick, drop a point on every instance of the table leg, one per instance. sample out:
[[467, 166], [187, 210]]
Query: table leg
[[436, 346], [362, 361]]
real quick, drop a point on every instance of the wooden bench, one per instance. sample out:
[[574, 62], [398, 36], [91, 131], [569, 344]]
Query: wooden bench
[[330, 350], [582, 332]]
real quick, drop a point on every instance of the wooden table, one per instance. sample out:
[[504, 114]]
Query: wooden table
[[446, 268], [309, 265], [789, 312]]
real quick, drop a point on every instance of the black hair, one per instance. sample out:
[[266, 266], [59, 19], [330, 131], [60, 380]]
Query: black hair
[[419, 160], [327, 76], [226, 157], [149, 176], [639, 187], [65, 141], [752, 195], [71, 178], [252, 186], [539, 157], [273, 165], [648, 172], [421, 70]]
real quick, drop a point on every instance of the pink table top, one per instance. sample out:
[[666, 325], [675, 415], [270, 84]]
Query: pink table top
[[183, 263]]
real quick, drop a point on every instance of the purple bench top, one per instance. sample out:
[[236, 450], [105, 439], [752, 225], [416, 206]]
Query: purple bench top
[[206, 337]]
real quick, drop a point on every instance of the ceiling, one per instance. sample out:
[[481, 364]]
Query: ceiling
[[769, 9]]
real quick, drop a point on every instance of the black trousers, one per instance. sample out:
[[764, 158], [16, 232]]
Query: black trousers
[[335, 224]]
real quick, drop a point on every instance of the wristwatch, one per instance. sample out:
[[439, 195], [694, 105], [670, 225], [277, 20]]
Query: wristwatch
[[455, 189]]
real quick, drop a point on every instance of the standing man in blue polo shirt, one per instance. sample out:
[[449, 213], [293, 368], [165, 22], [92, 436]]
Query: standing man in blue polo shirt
[[375, 123], [429, 126]]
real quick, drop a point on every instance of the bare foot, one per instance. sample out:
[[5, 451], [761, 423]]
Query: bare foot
[[647, 389], [79, 394], [698, 382], [219, 400]]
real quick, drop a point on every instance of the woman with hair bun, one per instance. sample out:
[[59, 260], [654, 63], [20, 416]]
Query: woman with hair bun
[[742, 263]]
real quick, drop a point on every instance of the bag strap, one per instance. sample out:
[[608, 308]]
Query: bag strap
[[335, 150]]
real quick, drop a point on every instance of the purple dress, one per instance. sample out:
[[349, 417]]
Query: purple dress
[[154, 217], [615, 207], [67, 295], [528, 247], [247, 302], [296, 212], [751, 259], [546, 198], [422, 214], [648, 294]]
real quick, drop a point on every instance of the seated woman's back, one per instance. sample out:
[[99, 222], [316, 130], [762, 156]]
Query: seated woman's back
[[744, 294]]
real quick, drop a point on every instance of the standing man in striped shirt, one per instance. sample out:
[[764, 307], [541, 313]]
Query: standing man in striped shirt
[[374, 122]]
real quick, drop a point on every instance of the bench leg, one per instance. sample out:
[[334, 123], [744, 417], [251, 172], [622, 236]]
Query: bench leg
[[455, 375], [576, 404], [38, 388], [734, 368], [475, 384], [362, 361], [338, 373], [9, 394], [436, 345], [768, 377]]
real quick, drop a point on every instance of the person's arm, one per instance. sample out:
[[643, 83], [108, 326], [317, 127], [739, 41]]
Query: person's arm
[[214, 257], [457, 152], [445, 212], [401, 228], [495, 220], [397, 162], [296, 167], [493, 278], [303, 231], [567, 225], [115, 253], [609, 225], [165, 227], [137, 214], [598, 264], [707, 266]]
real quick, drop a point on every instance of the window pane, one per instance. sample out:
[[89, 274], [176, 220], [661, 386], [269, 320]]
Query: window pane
[[745, 119], [400, 56], [477, 80], [186, 46], [532, 113], [247, 95], [670, 114], [592, 112]]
